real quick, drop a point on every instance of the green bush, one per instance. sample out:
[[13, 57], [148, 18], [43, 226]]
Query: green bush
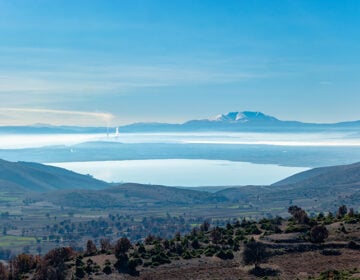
[[252, 229], [296, 228], [186, 255], [107, 269], [211, 250], [225, 255], [334, 274], [160, 258]]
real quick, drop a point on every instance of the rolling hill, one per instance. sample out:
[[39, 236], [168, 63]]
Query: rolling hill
[[37, 177], [132, 195], [318, 188], [325, 176]]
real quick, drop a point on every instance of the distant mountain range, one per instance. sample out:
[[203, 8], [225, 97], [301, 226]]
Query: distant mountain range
[[232, 121], [240, 121]]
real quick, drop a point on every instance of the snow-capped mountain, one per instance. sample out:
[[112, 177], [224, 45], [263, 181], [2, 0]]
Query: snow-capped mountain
[[242, 117]]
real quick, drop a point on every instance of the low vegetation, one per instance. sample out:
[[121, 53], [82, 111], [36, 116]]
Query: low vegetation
[[246, 244]]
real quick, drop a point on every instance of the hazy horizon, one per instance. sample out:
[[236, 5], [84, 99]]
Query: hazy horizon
[[109, 123]]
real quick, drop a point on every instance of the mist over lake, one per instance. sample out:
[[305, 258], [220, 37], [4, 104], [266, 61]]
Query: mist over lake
[[19, 140]]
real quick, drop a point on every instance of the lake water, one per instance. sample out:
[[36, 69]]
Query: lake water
[[183, 172]]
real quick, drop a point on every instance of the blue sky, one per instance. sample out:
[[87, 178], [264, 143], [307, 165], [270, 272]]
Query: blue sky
[[91, 62]]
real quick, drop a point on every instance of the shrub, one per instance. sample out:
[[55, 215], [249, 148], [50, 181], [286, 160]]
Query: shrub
[[211, 250], [353, 245], [296, 228], [318, 234], [195, 244], [80, 272], [186, 255], [225, 255], [160, 258], [331, 252], [252, 229], [107, 269], [132, 264]]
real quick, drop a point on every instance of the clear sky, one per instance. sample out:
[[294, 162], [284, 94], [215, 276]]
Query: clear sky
[[93, 61]]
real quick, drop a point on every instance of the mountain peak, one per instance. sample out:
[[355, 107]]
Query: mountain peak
[[242, 117]]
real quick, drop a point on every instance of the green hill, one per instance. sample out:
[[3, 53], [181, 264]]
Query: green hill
[[36, 177], [133, 195]]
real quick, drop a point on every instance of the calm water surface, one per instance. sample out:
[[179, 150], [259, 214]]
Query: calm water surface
[[183, 172]]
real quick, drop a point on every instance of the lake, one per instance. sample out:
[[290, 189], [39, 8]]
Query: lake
[[183, 172]]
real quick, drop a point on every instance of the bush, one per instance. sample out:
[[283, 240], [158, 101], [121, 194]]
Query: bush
[[160, 258], [132, 264], [318, 234], [353, 245], [107, 269], [331, 252], [225, 255], [334, 274], [211, 250], [296, 228], [195, 244], [186, 255], [80, 272], [252, 229]]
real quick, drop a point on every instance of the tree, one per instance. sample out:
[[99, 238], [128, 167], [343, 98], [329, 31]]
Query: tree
[[254, 253], [105, 245], [53, 265], [216, 235], [351, 212], [342, 211], [205, 226], [299, 214], [22, 264], [90, 248], [122, 246], [4, 274], [318, 234]]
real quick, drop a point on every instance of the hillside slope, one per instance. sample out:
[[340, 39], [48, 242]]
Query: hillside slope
[[316, 189], [132, 195], [42, 178], [330, 176]]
